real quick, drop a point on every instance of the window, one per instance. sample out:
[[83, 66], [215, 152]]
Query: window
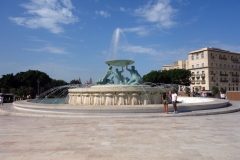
[[197, 65], [224, 65], [192, 66], [211, 64], [197, 56], [216, 64], [202, 55], [202, 64], [192, 57], [220, 65]]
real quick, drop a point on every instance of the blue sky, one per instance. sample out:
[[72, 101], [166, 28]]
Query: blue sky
[[68, 39]]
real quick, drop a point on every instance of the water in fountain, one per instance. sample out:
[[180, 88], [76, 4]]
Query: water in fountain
[[118, 54], [56, 95], [119, 47]]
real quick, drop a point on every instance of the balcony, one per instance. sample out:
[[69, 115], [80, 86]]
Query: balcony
[[213, 81], [193, 81], [223, 80], [203, 75], [223, 74], [198, 81], [235, 75], [212, 74], [197, 75], [203, 81], [192, 75], [237, 81]]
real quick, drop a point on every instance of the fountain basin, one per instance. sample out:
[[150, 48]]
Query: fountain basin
[[119, 62], [116, 95]]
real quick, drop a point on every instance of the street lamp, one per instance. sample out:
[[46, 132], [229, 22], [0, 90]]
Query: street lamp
[[38, 86]]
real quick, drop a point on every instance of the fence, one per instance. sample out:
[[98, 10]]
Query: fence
[[233, 95]]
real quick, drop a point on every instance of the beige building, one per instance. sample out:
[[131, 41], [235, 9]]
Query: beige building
[[181, 64], [213, 67]]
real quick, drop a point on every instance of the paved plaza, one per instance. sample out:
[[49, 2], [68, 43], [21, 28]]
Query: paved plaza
[[88, 138]]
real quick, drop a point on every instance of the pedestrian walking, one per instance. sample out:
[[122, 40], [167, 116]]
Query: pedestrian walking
[[174, 101]]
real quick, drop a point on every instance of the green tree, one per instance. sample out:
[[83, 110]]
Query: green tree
[[31, 77], [174, 76], [215, 90], [223, 91], [151, 77], [75, 81], [7, 81], [24, 83]]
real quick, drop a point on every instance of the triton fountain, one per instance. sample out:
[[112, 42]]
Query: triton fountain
[[127, 95], [127, 91]]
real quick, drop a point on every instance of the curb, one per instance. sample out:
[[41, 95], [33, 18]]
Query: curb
[[225, 110]]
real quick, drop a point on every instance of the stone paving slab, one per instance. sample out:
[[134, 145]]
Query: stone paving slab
[[204, 137], [188, 137]]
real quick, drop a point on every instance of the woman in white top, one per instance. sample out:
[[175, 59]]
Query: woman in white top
[[174, 101]]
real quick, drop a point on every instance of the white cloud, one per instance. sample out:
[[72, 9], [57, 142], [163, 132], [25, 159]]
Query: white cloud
[[122, 9], [141, 50], [104, 14], [48, 14], [141, 31], [53, 50], [159, 12]]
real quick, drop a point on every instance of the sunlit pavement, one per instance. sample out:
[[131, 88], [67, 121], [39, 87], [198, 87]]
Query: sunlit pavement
[[187, 137]]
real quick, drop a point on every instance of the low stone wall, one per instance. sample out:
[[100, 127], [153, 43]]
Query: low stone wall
[[151, 108], [233, 95], [116, 95]]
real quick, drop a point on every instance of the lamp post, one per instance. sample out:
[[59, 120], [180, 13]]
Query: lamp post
[[38, 86]]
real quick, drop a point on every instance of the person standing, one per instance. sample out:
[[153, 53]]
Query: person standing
[[174, 101], [165, 102], [1, 100]]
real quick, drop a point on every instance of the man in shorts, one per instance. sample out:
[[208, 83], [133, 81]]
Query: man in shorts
[[174, 101]]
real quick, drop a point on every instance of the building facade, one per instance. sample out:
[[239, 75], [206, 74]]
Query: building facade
[[180, 64], [213, 67]]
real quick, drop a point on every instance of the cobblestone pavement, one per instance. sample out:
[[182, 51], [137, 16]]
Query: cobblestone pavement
[[193, 137]]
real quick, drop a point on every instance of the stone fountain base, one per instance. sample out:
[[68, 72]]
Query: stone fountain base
[[116, 95]]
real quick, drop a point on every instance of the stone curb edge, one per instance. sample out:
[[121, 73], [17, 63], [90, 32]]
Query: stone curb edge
[[224, 110]]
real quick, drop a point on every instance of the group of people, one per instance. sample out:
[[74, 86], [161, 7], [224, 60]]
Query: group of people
[[166, 98]]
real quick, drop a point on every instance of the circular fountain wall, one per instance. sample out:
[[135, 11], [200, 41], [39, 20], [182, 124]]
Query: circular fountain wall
[[116, 95]]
